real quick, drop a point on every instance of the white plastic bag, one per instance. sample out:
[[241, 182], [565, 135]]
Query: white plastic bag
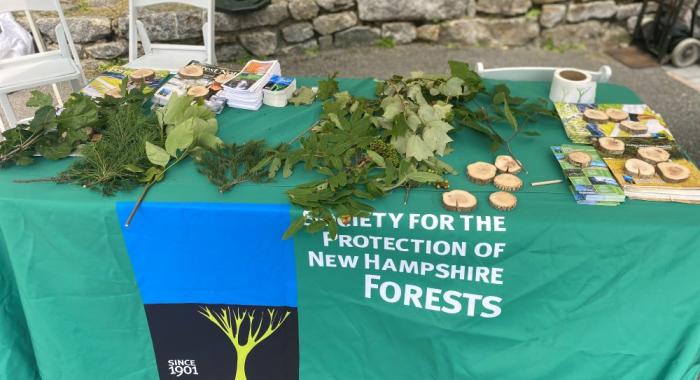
[[14, 40]]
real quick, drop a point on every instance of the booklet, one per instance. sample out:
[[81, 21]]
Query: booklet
[[110, 81], [581, 131], [655, 188], [592, 185], [245, 90]]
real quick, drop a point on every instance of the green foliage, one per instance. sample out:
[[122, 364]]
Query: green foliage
[[386, 43], [39, 99], [304, 96], [328, 87]]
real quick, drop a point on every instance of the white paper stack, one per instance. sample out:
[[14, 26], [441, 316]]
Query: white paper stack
[[245, 90]]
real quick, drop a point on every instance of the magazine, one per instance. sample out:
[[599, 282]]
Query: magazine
[[245, 90], [581, 131], [655, 188], [110, 81], [592, 185]]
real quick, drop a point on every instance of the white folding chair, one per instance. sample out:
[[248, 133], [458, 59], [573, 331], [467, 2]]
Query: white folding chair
[[169, 56], [43, 68], [536, 74]]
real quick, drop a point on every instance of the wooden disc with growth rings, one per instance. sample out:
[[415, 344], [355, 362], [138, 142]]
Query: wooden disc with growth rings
[[141, 75], [639, 169], [198, 92], [595, 116], [481, 172], [633, 127], [610, 145], [503, 201], [507, 182], [459, 200], [191, 72], [507, 164], [617, 115], [653, 154], [672, 172], [580, 159]]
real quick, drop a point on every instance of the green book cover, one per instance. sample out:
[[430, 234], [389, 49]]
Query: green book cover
[[594, 183]]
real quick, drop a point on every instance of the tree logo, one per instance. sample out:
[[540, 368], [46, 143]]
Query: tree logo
[[231, 323]]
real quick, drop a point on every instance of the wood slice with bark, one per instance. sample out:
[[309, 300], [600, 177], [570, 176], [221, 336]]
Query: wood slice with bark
[[115, 93], [611, 146], [503, 201], [507, 182], [142, 75], [507, 164], [617, 115], [653, 154], [459, 200], [191, 72], [639, 169], [595, 116], [633, 127], [672, 173], [481, 172], [198, 92], [580, 159], [224, 78]]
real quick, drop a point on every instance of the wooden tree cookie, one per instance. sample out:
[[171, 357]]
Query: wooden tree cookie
[[653, 154], [638, 168], [223, 78], [595, 116], [633, 127], [507, 164], [503, 201], [115, 93], [481, 172], [609, 145], [616, 115], [191, 72], [507, 182], [580, 159], [672, 172], [198, 91], [459, 200], [141, 75]]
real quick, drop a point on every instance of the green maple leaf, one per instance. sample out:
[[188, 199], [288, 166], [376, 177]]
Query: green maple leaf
[[303, 95], [328, 87], [39, 99], [417, 149]]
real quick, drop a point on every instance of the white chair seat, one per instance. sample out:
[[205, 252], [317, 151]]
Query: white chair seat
[[36, 70], [169, 59]]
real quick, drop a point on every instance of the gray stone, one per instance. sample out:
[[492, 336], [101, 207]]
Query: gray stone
[[357, 36], [516, 31], [468, 31], [503, 7], [273, 14], [400, 32], [588, 32], [303, 9], [82, 29], [471, 8], [428, 32], [334, 22], [230, 52], [381, 10], [616, 35], [546, 1], [259, 43], [335, 5], [596, 10], [107, 50], [298, 32], [325, 42], [552, 15], [625, 11], [167, 25], [301, 48]]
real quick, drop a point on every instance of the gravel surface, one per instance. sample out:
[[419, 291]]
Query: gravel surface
[[679, 104]]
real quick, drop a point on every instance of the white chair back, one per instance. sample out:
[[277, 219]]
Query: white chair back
[[32, 5], [138, 31], [536, 74]]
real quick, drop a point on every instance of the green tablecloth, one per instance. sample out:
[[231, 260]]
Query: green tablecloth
[[588, 292]]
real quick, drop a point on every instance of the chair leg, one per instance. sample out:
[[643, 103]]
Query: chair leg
[[76, 85], [7, 110]]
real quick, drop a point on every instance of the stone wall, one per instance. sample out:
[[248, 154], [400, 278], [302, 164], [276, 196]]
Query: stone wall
[[298, 26]]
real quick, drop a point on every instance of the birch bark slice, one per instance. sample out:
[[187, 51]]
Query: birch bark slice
[[595, 116], [633, 127], [638, 168], [507, 182], [580, 159], [611, 145], [198, 92], [503, 201], [481, 172], [672, 172], [653, 154], [617, 115], [459, 200], [191, 72], [141, 75], [507, 164]]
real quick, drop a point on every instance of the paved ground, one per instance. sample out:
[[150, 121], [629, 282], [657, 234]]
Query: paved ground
[[678, 103], [688, 75]]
